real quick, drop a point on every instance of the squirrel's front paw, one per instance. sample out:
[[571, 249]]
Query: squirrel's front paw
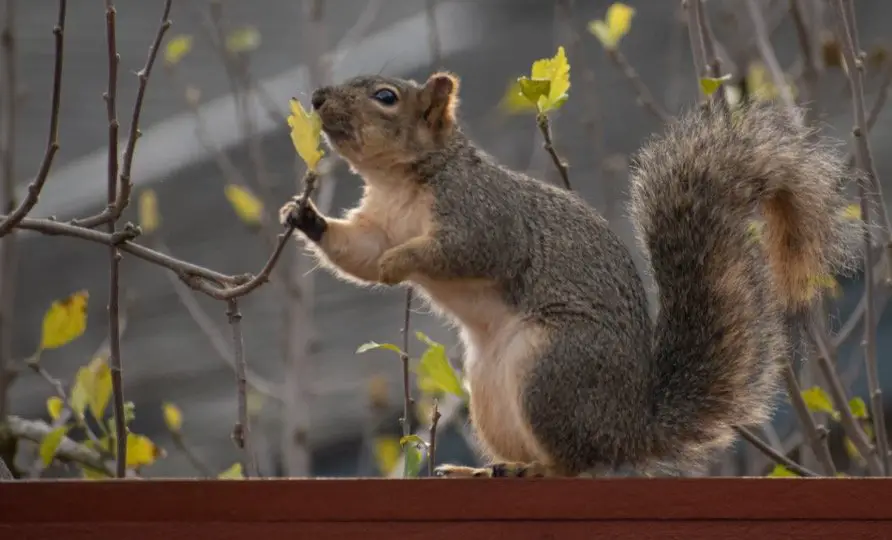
[[303, 217], [394, 266]]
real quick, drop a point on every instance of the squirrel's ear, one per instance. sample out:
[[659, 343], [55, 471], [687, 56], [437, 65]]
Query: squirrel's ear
[[440, 99]]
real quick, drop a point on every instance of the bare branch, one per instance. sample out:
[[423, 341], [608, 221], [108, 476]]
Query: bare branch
[[432, 447], [433, 33], [404, 358], [548, 144], [763, 43], [193, 459], [837, 393], [772, 453], [817, 440], [215, 336], [647, 100], [68, 450], [52, 145], [849, 39], [242, 431], [122, 198]]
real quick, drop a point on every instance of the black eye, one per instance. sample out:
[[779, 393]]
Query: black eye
[[385, 96]]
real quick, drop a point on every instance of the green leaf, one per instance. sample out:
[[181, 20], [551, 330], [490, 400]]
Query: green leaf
[[533, 89], [781, 471], [817, 400], [617, 24], [372, 345], [129, 412], [710, 84], [858, 407], [412, 464], [413, 440], [435, 371], [50, 443], [234, 472]]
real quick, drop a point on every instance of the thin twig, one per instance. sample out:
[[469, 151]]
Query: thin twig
[[242, 431], [122, 199], [68, 449], [215, 336], [433, 34], [847, 419], [816, 439], [8, 245], [193, 459], [404, 358], [114, 337], [545, 127], [766, 449], [432, 446], [763, 43], [849, 39], [713, 64], [645, 98], [52, 145], [811, 66]]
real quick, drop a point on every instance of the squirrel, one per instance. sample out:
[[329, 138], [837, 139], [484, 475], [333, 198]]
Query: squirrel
[[568, 374]]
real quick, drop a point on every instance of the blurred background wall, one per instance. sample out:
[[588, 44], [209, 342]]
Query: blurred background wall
[[347, 398]]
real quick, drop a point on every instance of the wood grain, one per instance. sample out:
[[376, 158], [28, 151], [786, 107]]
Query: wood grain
[[438, 508]]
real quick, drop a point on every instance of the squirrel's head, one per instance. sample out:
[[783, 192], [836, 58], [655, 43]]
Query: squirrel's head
[[377, 123]]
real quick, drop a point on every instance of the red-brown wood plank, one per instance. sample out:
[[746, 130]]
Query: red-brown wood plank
[[467, 530], [367, 500]]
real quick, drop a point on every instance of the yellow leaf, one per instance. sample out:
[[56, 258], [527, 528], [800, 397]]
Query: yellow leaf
[[817, 400], [54, 407], [246, 205], [92, 387], [387, 452], [232, 473], [755, 229], [858, 407], [173, 417], [710, 84], [852, 212], [255, 401], [514, 102], [64, 321], [556, 71], [50, 443], [761, 85], [780, 471], [148, 211], [825, 281], [141, 451], [306, 129], [243, 40], [90, 474], [618, 23], [177, 48]]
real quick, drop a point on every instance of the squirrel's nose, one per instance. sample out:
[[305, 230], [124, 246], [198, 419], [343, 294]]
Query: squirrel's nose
[[318, 98]]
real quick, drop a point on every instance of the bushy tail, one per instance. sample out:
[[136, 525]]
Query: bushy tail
[[695, 194]]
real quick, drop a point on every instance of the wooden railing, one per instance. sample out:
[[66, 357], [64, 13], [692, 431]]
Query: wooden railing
[[433, 509]]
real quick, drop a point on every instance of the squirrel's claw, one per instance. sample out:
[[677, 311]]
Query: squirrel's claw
[[493, 470]]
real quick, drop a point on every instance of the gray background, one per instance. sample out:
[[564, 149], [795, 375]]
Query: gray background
[[165, 356]]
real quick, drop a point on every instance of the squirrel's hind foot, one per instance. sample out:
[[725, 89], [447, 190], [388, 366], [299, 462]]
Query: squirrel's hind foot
[[495, 470]]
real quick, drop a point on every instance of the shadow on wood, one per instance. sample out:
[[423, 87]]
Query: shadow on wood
[[439, 509]]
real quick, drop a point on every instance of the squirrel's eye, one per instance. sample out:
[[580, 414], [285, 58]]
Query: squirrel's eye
[[385, 96]]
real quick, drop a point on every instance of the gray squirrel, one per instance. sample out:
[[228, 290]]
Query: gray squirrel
[[567, 372]]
